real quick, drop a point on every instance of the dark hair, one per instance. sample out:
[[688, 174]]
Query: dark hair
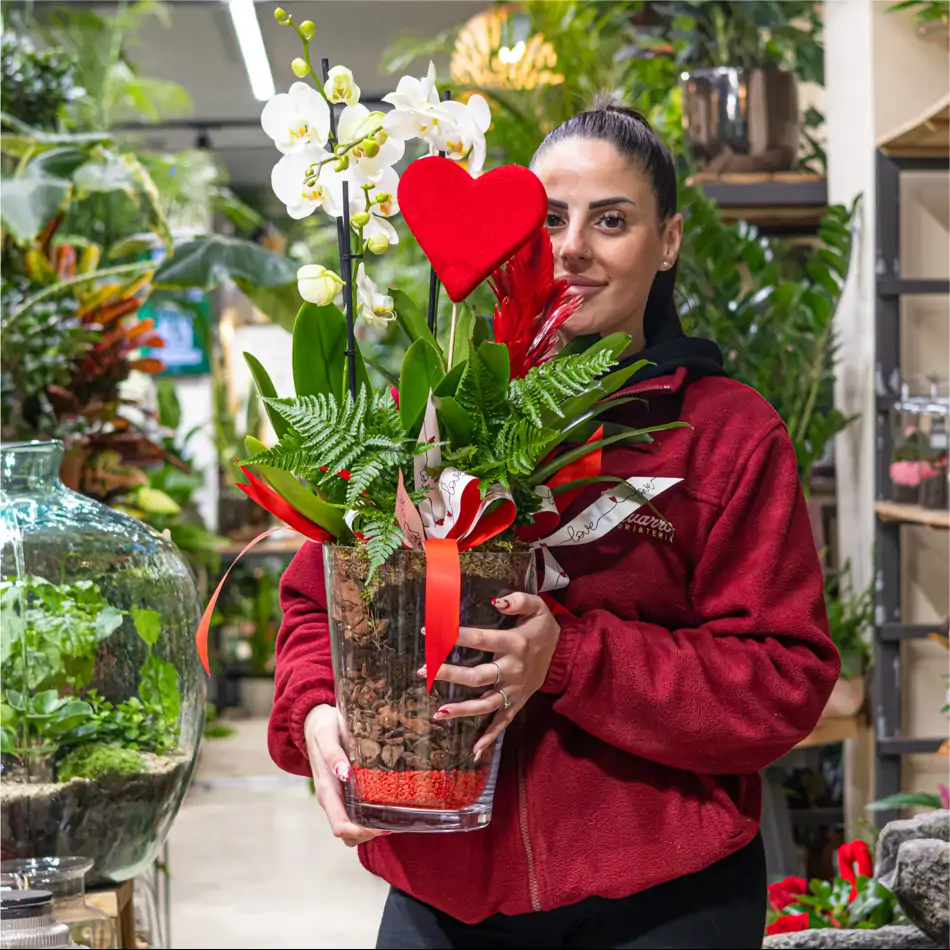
[[633, 136]]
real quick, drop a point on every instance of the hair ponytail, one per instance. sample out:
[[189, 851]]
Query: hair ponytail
[[632, 135]]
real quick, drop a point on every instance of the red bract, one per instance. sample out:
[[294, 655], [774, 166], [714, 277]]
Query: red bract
[[854, 861], [783, 893], [532, 305], [790, 923]]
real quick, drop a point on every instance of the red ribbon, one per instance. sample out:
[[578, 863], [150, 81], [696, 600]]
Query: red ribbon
[[278, 506], [443, 600]]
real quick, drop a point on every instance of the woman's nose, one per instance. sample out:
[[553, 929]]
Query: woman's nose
[[572, 246]]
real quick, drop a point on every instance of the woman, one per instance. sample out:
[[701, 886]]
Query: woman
[[675, 667]]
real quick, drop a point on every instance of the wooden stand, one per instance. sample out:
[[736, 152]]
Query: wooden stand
[[118, 903]]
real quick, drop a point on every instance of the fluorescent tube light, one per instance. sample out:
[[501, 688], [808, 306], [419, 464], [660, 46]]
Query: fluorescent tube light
[[251, 42]]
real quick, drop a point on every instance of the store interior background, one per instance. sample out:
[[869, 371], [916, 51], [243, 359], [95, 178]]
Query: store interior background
[[251, 860]]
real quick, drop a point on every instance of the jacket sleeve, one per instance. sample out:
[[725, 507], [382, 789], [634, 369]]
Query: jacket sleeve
[[740, 689], [304, 674]]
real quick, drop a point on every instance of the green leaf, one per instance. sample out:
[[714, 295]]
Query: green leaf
[[267, 391], [496, 358], [411, 318], [59, 162], [457, 423], [208, 262], [905, 800], [422, 371], [450, 381], [556, 464], [464, 326], [319, 350], [362, 376], [148, 625], [296, 495], [27, 204], [45, 703], [279, 304]]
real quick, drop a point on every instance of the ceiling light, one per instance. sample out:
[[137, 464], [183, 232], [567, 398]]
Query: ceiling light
[[251, 43]]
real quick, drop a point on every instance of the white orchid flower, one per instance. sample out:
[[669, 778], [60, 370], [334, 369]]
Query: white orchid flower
[[357, 123], [340, 86], [298, 119], [413, 103], [376, 308], [317, 285], [303, 192], [462, 131], [387, 184], [379, 234]]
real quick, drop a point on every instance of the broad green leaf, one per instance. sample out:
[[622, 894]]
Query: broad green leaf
[[296, 495], [572, 455], [319, 350], [59, 162], [7, 741], [456, 421], [495, 357], [422, 371], [267, 391], [148, 625], [482, 331], [450, 381], [411, 318], [27, 204], [362, 376], [209, 261], [464, 326], [278, 304], [905, 800], [45, 703]]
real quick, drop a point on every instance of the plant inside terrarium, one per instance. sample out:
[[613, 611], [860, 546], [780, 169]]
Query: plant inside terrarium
[[54, 719]]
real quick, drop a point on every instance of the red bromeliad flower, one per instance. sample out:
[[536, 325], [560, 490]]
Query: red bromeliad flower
[[783, 893], [532, 305], [790, 923], [854, 861]]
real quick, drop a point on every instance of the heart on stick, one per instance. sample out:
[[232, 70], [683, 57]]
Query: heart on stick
[[467, 226]]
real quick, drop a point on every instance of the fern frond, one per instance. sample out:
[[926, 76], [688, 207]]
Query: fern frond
[[554, 382], [383, 538], [482, 395], [521, 444]]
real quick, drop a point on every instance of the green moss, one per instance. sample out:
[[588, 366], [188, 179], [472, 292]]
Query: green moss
[[98, 759]]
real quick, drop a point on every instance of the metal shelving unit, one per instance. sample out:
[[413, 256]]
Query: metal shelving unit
[[904, 152]]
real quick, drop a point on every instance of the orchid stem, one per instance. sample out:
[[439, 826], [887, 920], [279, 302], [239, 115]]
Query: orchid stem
[[455, 314], [433, 277]]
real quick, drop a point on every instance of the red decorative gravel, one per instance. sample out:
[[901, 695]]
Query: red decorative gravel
[[420, 789]]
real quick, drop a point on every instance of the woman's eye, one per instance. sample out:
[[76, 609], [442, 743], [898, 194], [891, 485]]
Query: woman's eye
[[612, 222], [552, 220]]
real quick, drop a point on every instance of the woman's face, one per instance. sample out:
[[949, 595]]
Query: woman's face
[[609, 242]]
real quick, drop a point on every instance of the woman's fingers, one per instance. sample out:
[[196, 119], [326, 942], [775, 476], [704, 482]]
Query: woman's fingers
[[489, 641], [498, 725], [486, 674], [325, 735], [482, 706], [331, 800]]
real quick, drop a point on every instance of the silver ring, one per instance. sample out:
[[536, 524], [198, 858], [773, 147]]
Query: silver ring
[[498, 677], [504, 697]]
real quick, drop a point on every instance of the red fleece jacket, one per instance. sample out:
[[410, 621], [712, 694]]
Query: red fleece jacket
[[687, 662]]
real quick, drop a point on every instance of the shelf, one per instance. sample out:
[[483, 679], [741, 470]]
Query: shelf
[[896, 287], [894, 745], [895, 632], [912, 514], [927, 136], [831, 731]]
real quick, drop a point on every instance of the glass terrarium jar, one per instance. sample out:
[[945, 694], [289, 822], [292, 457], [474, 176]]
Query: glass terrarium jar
[[920, 419], [101, 696], [65, 879], [26, 920], [407, 772]]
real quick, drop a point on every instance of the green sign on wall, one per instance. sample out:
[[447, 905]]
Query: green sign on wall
[[181, 320]]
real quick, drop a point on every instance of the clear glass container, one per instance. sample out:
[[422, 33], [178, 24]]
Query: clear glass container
[[409, 773], [26, 921], [65, 879], [919, 423], [101, 695]]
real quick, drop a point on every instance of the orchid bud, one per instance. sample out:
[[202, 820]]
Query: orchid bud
[[378, 243], [370, 147], [317, 285], [300, 67], [280, 15], [312, 182], [382, 137], [308, 28], [342, 163], [360, 219], [382, 197]]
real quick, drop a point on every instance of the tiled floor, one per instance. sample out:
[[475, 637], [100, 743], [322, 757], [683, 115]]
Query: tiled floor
[[253, 863]]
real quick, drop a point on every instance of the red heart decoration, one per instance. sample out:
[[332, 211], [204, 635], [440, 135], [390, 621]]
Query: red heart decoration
[[467, 226]]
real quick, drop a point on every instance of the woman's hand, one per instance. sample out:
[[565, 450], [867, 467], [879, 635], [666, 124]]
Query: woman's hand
[[522, 658], [331, 769]]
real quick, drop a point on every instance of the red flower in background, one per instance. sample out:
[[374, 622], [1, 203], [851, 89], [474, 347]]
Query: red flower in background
[[788, 924], [783, 893], [532, 305], [854, 861]]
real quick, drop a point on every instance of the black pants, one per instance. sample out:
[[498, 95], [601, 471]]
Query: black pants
[[722, 906]]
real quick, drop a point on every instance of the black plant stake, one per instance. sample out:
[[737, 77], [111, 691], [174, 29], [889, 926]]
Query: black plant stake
[[346, 256], [433, 280]]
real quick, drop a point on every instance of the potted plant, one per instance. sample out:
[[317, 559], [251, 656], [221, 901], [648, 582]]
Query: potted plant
[[741, 63], [430, 499], [932, 18], [907, 466], [850, 618]]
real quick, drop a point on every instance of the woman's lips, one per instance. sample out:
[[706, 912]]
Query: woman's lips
[[585, 290]]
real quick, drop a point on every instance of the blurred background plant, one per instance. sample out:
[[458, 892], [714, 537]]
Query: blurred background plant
[[850, 620]]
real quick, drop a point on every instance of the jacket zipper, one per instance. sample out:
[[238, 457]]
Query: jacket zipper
[[533, 888]]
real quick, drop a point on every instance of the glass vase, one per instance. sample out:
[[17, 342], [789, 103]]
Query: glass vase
[[407, 772], [65, 879], [101, 692]]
